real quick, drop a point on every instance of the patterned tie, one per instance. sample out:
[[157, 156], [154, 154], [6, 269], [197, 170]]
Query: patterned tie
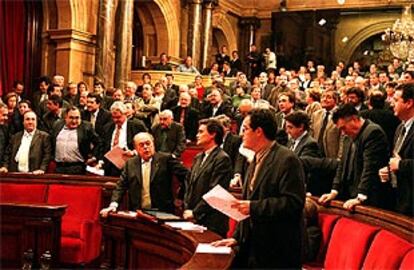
[[116, 137], [399, 141], [93, 120], [182, 116]]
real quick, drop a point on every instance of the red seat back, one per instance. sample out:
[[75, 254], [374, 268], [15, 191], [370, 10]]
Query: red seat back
[[326, 223], [22, 193], [408, 261]]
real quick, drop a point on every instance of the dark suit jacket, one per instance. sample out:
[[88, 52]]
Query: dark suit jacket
[[331, 140], [385, 118], [405, 173], [175, 138], [272, 236], [231, 146], [48, 120], [102, 119], [40, 152], [371, 154], [224, 108], [86, 137], [191, 117], [163, 167], [215, 170], [4, 140]]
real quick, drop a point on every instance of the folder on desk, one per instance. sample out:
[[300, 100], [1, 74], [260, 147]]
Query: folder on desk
[[117, 157]]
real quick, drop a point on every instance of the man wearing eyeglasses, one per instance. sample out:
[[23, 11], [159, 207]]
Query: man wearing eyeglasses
[[72, 139]]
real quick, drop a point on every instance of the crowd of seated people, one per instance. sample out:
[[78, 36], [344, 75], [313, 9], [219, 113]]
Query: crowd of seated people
[[352, 130]]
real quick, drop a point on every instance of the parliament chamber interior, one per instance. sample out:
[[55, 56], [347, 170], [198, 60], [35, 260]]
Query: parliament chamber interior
[[207, 134]]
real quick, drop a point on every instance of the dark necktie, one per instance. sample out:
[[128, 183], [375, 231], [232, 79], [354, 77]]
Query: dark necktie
[[163, 141], [323, 128], [399, 141]]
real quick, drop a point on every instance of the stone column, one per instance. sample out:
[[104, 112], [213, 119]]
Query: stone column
[[103, 39], [123, 42], [194, 31], [208, 30], [248, 26]]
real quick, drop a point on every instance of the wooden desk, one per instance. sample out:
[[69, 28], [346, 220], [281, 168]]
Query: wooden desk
[[28, 226], [136, 243]]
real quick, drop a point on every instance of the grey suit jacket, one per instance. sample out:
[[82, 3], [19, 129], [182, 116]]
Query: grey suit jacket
[[332, 135], [40, 152]]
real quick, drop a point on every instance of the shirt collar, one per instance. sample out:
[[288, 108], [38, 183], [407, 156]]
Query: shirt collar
[[29, 134], [408, 124], [301, 137]]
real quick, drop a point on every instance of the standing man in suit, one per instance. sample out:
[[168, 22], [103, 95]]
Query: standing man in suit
[[402, 162], [29, 150], [323, 128], [96, 114], [365, 152], [75, 143], [4, 131], [169, 136], [273, 197], [187, 116], [304, 146], [148, 178], [120, 132], [286, 105], [210, 168]]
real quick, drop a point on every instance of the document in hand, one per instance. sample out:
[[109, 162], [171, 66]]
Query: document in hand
[[117, 157], [221, 200], [208, 248]]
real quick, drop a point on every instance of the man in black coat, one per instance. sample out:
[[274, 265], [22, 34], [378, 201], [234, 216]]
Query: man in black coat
[[402, 163], [210, 168], [187, 116], [147, 178], [75, 143], [168, 135], [96, 114], [365, 152], [4, 132], [273, 197]]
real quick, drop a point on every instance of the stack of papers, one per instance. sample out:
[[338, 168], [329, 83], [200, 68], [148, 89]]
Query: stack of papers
[[94, 170], [221, 200], [186, 226], [127, 213], [208, 248]]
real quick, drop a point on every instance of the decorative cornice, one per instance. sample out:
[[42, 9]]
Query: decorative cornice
[[71, 34]]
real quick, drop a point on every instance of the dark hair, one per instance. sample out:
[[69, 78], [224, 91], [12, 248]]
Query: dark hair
[[99, 83], [57, 100], [335, 94], [315, 95], [214, 126], [96, 96], [44, 79], [71, 108], [298, 118], [410, 73], [84, 83], [345, 110], [169, 74], [290, 95], [9, 96], [51, 88], [358, 92], [407, 91], [264, 119], [25, 101], [391, 84], [146, 74], [377, 100], [17, 82]]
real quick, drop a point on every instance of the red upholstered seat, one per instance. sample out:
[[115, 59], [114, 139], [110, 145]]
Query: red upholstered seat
[[386, 243], [349, 244], [408, 261], [81, 230], [188, 155], [326, 223], [18, 193]]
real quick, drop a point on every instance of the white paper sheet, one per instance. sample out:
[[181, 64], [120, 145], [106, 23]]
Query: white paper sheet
[[208, 248], [94, 170], [221, 200], [186, 226]]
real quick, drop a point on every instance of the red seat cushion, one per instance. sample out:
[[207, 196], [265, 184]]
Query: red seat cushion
[[22, 193], [349, 244], [408, 261], [326, 223], [72, 251], [386, 243], [188, 155], [71, 227]]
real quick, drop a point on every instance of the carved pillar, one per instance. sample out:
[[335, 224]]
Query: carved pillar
[[248, 26], [104, 40], [123, 42], [208, 30], [332, 26], [194, 31]]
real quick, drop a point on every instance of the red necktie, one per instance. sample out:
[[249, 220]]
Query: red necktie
[[116, 138]]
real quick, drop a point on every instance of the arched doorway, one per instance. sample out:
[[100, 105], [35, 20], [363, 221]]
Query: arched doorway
[[219, 39]]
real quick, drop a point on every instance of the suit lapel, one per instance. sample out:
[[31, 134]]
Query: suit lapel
[[265, 169], [154, 167], [409, 136], [35, 139], [301, 144]]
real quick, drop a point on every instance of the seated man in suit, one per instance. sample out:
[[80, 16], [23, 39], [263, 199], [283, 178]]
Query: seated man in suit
[[148, 178], [169, 136], [120, 131], [75, 143], [29, 150], [365, 152], [217, 105], [96, 114], [186, 116], [304, 146], [210, 168], [273, 197]]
